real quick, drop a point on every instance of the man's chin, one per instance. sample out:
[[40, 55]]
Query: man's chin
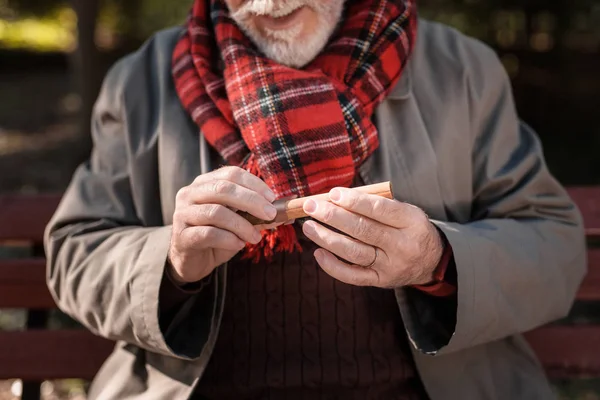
[[296, 55]]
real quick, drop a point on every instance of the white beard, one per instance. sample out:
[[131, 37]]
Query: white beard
[[284, 46]]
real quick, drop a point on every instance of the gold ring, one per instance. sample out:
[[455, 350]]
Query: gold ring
[[375, 259]]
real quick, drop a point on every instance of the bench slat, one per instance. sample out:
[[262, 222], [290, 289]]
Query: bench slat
[[25, 296], [25, 217], [568, 351], [590, 288], [18, 277], [588, 201], [26, 271], [61, 354], [65, 354], [23, 284]]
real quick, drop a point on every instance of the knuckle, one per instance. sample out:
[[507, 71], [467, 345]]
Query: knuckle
[[353, 201], [328, 214], [251, 198], [355, 253], [234, 173], [199, 234], [182, 195], [194, 236], [212, 212], [235, 224], [328, 239], [210, 233], [178, 217], [223, 187], [363, 228], [379, 207]]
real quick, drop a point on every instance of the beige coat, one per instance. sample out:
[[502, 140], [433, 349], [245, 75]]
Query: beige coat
[[451, 143]]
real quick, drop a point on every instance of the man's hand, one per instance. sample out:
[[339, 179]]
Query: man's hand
[[399, 238], [207, 231]]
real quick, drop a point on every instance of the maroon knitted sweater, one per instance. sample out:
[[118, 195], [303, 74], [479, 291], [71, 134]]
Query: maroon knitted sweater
[[291, 331]]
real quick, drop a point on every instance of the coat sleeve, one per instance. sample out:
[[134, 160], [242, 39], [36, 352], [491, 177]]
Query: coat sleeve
[[105, 265], [522, 256]]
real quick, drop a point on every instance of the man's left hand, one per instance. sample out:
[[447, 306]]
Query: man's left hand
[[387, 244]]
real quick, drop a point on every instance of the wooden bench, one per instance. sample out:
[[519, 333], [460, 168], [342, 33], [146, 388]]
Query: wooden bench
[[37, 353]]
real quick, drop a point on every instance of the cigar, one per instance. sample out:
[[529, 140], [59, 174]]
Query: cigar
[[289, 210]]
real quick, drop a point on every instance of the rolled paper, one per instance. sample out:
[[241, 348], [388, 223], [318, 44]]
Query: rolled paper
[[289, 210]]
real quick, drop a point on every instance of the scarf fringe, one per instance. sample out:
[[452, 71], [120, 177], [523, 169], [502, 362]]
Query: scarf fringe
[[282, 239], [278, 240]]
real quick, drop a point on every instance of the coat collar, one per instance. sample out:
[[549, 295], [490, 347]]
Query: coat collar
[[403, 88]]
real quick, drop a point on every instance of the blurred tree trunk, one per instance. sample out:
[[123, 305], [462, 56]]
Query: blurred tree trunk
[[131, 11], [87, 68]]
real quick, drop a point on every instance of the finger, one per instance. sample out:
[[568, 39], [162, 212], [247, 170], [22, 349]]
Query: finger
[[241, 177], [273, 226], [386, 211], [210, 237], [342, 246], [220, 217], [357, 226], [229, 194], [349, 274]]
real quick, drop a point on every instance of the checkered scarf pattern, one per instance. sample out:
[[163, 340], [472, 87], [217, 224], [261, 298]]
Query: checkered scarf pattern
[[304, 131]]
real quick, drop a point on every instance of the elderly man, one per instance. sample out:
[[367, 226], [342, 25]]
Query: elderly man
[[421, 297]]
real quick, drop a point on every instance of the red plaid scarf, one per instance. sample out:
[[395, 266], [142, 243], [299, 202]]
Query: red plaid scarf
[[305, 131]]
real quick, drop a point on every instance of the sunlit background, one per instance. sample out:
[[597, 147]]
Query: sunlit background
[[53, 55]]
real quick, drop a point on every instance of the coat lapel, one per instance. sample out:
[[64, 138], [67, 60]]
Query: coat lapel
[[179, 158], [405, 156]]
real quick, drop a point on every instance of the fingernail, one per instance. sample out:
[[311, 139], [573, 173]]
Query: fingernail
[[310, 206], [335, 195], [270, 196], [309, 228], [292, 222], [271, 212], [257, 236]]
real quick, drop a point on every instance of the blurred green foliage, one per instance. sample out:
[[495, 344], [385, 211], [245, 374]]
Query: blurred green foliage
[[542, 26], [31, 7], [54, 31], [51, 24], [138, 19]]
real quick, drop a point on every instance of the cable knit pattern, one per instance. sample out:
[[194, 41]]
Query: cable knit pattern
[[291, 331]]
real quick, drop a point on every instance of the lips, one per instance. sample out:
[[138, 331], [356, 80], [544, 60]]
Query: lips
[[283, 22]]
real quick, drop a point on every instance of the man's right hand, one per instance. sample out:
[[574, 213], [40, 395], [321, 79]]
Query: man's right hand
[[207, 231]]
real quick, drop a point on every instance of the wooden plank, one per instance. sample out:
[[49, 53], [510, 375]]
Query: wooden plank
[[568, 351], [25, 271], [588, 201], [25, 217], [23, 284], [565, 351], [590, 288], [61, 354]]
